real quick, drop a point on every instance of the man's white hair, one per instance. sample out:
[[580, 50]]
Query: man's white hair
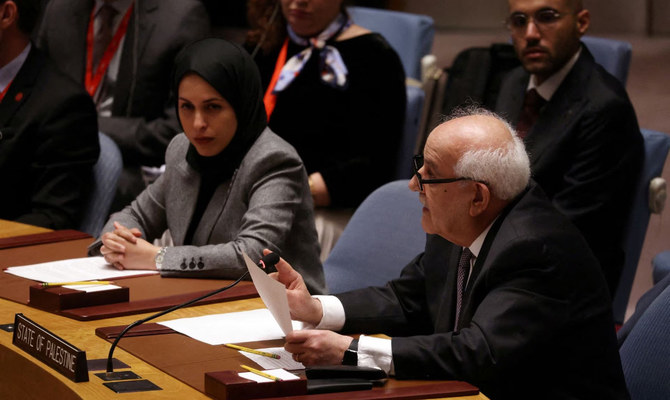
[[506, 170]]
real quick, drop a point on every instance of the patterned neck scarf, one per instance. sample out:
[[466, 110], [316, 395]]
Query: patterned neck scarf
[[333, 70]]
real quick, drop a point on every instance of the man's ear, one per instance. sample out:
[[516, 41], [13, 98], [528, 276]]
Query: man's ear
[[583, 21], [9, 14], [481, 199]]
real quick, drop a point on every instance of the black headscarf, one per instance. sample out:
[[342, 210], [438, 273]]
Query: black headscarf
[[231, 71]]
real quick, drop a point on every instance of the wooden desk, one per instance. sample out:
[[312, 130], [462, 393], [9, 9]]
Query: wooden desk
[[11, 229], [24, 377]]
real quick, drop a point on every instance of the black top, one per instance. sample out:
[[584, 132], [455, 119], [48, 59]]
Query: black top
[[351, 136]]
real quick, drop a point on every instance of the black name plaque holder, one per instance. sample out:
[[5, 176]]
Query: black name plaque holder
[[50, 349]]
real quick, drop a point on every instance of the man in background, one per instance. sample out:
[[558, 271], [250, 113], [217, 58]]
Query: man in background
[[48, 129], [577, 123], [122, 51]]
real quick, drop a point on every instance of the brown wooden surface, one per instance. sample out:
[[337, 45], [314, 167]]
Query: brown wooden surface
[[188, 360], [147, 293], [39, 238], [24, 377], [11, 229]]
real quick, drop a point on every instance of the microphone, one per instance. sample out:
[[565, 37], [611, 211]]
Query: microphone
[[267, 263]]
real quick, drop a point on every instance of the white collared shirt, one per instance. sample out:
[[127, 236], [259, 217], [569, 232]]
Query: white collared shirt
[[12, 68], [372, 351], [547, 88]]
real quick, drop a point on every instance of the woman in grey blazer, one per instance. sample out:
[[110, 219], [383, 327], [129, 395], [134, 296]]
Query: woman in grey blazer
[[230, 184]]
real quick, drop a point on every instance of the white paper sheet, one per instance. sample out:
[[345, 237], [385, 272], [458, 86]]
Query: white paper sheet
[[285, 360], [75, 269], [272, 293], [279, 373], [237, 327], [92, 288]]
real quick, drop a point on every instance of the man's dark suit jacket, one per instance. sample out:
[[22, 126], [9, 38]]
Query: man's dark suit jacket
[[143, 117], [586, 152], [536, 320], [48, 146]]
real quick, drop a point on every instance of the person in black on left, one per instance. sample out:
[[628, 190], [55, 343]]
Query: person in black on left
[[48, 129], [347, 132], [336, 92]]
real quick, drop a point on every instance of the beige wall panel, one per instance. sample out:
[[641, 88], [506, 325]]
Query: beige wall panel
[[660, 18], [608, 16]]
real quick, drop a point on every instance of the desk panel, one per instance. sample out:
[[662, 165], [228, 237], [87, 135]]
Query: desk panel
[[190, 359], [11, 229], [147, 293], [24, 377]]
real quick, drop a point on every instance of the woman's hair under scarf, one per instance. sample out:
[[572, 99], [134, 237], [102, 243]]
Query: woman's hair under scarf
[[229, 69]]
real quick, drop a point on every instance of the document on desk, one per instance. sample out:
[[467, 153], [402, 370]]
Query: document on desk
[[236, 327], [76, 269], [246, 326]]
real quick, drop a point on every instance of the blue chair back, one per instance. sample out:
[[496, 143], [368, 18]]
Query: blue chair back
[[106, 174], [416, 98], [656, 145], [660, 266], [410, 35], [645, 354], [383, 236], [613, 55]]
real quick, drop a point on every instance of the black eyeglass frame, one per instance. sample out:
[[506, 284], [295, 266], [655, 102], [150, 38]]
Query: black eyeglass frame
[[417, 162], [537, 18]]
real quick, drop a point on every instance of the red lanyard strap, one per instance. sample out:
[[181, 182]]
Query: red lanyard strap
[[5, 90], [270, 99], [93, 78]]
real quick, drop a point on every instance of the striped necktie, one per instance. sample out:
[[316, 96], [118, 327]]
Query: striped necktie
[[461, 280]]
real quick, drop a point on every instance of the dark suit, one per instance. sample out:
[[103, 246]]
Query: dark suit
[[143, 117], [536, 320], [586, 152], [48, 146]]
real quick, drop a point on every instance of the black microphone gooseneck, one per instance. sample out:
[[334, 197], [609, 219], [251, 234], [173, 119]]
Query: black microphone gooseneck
[[267, 262]]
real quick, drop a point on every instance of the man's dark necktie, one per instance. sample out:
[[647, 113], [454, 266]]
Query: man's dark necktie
[[104, 34], [532, 104], [461, 280]]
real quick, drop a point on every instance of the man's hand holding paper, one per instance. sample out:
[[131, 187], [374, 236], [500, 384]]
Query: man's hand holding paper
[[303, 307]]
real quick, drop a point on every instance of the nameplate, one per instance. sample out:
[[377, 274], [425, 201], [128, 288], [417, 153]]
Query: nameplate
[[50, 349]]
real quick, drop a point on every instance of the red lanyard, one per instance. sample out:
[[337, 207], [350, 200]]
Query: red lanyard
[[270, 99], [93, 78], [4, 91]]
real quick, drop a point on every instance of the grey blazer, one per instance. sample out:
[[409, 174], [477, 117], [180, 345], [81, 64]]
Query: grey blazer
[[266, 204]]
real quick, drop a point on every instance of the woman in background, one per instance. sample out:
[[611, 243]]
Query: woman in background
[[336, 92], [230, 184]]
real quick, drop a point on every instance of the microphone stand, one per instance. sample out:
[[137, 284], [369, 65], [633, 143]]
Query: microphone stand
[[267, 262]]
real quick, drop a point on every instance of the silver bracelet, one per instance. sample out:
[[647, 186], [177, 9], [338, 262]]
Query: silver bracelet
[[160, 255]]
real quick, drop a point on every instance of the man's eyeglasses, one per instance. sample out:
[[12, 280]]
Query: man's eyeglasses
[[519, 21], [417, 162]]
